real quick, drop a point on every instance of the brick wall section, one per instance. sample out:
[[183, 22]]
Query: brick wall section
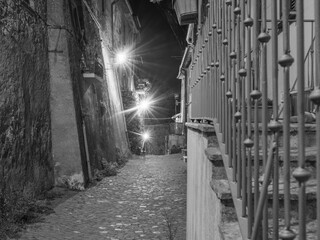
[[25, 136]]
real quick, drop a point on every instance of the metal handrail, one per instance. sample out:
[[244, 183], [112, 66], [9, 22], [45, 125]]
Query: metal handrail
[[233, 40]]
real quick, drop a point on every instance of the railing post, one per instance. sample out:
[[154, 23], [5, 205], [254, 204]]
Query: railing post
[[315, 98], [274, 125], [300, 173], [285, 61], [248, 22]]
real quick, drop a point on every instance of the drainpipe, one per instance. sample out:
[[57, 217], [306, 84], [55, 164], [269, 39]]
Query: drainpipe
[[189, 37], [112, 27]]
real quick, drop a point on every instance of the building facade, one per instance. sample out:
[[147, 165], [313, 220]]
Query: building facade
[[61, 107]]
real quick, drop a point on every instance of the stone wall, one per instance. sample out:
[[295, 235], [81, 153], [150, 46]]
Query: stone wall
[[210, 211], [25, 136], [203, 206], [56, 126]]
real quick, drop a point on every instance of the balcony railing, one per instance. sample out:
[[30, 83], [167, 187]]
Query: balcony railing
[[242, 60]]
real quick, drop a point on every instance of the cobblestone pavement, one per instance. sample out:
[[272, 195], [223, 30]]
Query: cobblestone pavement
[[146, 200]]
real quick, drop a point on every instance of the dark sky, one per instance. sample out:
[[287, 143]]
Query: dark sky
[[160, 51]]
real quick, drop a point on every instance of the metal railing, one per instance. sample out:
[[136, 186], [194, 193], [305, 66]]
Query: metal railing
[[241, 49]]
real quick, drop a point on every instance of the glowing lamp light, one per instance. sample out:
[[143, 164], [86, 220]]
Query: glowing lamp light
[[121, 57], [144, 105], [145, 136]]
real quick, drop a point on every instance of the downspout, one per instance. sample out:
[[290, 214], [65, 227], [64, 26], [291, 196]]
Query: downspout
[[189, 37], [185, 73], [112, 27]]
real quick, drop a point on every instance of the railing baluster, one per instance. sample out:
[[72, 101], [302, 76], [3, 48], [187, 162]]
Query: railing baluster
[[234, 94], [219, 31], [238, 98], [264, 37], [242, 77], [229, 82], [264, 191], [255, 95], [248, 142], [212, 57], [223, 68], [209, 49], [285, 61], [215, 38], [300, 173], [274, 125], [205, 72], [315, 98], [201, 83]]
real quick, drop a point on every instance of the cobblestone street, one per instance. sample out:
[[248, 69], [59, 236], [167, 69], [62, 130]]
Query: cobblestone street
[[146, 200]]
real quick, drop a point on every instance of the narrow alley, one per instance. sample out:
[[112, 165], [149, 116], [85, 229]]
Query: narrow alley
[[146, 200]]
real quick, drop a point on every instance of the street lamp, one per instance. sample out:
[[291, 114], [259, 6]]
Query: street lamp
[[144, 105], [121, 57], [145, 136]]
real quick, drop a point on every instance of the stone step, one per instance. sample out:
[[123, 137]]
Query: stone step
[[310, 136], [229, 227]]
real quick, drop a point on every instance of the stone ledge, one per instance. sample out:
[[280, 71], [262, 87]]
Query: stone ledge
[[230, 231], [221, 188], [203, 127], [214, 155]]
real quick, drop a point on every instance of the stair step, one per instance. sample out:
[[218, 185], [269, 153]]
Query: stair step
[[221, 188], [311, 189], [230, 231], [311, 228]]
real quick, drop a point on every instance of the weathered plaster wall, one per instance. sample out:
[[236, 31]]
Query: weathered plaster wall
[[112, 74], [65, 132], [100, 102], [47, 108], [203, 206], [25, 136]]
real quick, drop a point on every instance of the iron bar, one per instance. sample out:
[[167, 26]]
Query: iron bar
[[286, 63], [264, 89], [238, 114], [219, 63], [311, 86], [300, 173], [249, 142], [255, 94], [229, 82], [317, 90], [222, 74], [276, 124], [210, 58], [214, 26], [234, 94], [242, 78], [264, 191]]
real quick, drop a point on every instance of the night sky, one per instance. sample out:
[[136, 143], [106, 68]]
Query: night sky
[[161, 55]]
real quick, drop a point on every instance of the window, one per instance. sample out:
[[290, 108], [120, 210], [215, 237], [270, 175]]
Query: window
[[77, 18], [103, 6]]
